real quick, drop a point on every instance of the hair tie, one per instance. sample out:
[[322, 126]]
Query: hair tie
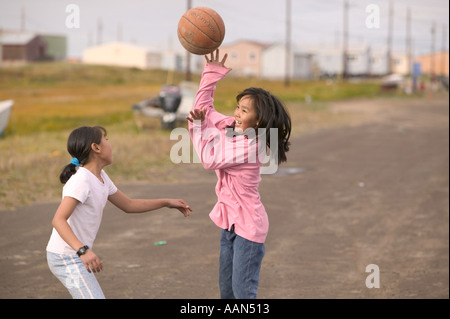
[[75, 161]]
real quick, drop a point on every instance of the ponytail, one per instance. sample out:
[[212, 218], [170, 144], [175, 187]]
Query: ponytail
[[79, 146], [67, 172]]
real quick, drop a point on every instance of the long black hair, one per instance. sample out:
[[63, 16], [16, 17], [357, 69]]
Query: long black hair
[[271, 113], [79, 146]]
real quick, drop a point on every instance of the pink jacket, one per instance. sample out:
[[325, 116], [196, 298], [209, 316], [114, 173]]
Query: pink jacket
[[234, 160]]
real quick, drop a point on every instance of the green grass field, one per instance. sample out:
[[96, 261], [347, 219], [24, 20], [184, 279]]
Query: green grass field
[[56, 96], [51, 99]]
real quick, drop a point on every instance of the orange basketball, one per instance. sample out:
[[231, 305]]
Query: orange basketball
[[201, 30]]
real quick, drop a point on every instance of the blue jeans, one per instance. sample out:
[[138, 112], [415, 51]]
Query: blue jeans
[[239, 266], [72, 273]]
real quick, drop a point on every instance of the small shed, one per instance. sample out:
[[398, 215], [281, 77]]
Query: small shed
[[22, 47]]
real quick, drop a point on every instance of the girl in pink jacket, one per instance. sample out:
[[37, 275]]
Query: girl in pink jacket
[[235, 148]]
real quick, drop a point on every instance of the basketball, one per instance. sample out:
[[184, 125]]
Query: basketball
[[201, 30]]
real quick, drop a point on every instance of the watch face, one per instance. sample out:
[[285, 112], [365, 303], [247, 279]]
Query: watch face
[[82, 250]]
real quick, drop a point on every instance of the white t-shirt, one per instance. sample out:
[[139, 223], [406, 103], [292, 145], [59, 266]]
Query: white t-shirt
[[85, 220]]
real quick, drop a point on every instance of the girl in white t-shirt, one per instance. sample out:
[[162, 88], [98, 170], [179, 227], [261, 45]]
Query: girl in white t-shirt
[[78, 217]]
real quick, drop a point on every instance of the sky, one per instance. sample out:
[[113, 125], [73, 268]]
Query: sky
[[315, 23]]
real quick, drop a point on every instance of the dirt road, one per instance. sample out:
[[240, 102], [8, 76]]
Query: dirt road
[[373, 192]]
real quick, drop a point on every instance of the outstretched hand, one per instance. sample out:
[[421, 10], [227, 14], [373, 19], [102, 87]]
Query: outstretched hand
[[216, 60], [181, 205], [196, 115], [199, 114]]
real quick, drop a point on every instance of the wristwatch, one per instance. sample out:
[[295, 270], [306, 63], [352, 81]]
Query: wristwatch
[[82, 250]]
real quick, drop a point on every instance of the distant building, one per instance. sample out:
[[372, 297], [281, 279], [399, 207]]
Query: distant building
[[56, 47], [378, 63], [437, 63], [123, 54], [23, 47], [362, 61], [245, 57], [253, 59], [273, 64], [400, 64], [358, 61], [177, 61], [328, 61]]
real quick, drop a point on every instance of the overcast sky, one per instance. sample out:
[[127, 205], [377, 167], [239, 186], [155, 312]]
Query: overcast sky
[[153, 23]]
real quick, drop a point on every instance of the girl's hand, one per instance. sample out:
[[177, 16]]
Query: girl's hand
[[215, 59], [196, 115], [181, 205], [91, 261]]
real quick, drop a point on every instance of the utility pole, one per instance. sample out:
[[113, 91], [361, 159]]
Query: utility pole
[[389, 38], [188, 55], [408, 40], [345, 42], [99, 31], [287, 79], [444, 40], [433, 51]]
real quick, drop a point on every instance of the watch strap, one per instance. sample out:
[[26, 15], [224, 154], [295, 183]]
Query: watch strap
[[82, 250]]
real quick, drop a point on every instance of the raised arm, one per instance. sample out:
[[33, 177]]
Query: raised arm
[[207, 126], [213, 72]]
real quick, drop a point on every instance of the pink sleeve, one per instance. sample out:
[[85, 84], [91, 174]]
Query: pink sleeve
[[205, 95], [215, 150], [211, 75]]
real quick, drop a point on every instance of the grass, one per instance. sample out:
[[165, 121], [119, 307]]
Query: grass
[[54, 96], [51, 99]]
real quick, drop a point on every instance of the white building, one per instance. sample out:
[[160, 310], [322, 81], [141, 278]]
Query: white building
[[362, 61], [378, 63], [328, 61], [177, 60], [122, 54], [315, 61], [400, 64], [358, 61], [273, 63]]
